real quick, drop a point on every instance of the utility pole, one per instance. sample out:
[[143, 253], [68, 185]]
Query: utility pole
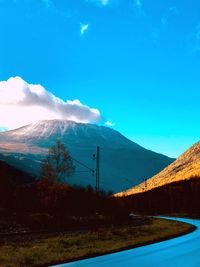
[[145, 184], [98, 170]]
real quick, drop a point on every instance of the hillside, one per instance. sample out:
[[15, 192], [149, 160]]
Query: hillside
[[13, 176], [185, 167], [121, 160]]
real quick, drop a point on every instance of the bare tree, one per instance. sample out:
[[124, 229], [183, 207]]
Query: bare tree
[[58, 163]]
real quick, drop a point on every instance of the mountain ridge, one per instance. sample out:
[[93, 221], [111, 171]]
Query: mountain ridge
[[47, 128], [122, 161], [185, 167]]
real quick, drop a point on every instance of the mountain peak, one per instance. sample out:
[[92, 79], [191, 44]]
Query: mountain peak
[[47, 131], [121, 160]]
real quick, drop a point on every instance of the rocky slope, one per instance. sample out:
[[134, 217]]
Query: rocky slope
[[185, 167]]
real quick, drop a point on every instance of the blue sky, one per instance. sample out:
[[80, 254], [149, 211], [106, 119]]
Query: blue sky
[[137, 61]]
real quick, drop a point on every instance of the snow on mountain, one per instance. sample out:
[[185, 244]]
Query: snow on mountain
[[123, 163], [46, 132]]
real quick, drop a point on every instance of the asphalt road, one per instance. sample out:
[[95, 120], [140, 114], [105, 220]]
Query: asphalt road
[[182, 251]]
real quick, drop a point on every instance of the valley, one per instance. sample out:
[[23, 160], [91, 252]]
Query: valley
[[122, 161]]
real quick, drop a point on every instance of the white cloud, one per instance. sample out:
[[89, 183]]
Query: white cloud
[[84, 28], [198, 33], [174, 9], [47, 3], [164, 20], [22, 103], [99, 2], [138, 7], [104, 3], [138, 3], [109, 123], [195, 42], [170, 12]]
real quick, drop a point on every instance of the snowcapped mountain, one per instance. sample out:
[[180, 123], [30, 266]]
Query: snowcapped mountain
[[185, 167], [44, 134], [123, 163]]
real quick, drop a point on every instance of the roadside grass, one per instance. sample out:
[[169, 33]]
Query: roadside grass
[[78, 245]]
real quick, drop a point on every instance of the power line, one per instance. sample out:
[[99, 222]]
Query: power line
[[98, 170], [97, 157], [82, 171], [83, 164]]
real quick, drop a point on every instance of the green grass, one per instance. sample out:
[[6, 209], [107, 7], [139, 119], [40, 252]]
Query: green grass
[[82, 245]]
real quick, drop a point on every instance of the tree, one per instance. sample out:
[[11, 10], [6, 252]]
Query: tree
[[58, 163]]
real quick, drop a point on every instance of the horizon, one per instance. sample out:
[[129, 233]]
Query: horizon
[[129, 65], [98, 125]]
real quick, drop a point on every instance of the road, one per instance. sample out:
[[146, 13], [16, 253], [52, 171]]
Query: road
[[182, 251]]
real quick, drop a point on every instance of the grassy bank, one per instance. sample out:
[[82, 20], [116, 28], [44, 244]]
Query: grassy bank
[[69, 247]]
